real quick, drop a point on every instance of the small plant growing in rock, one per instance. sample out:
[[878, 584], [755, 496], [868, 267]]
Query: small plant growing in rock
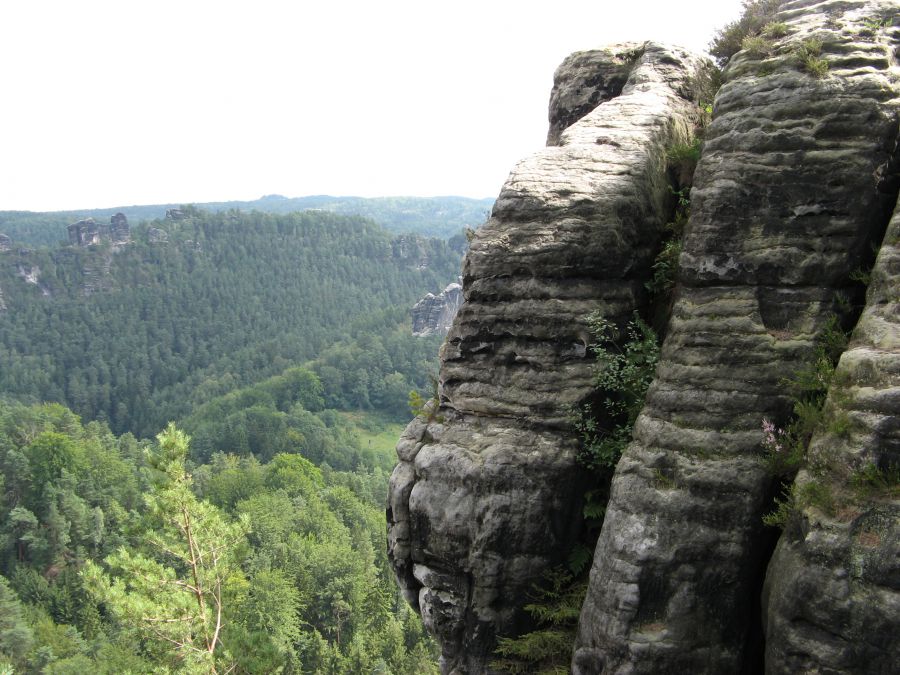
[[798, 497], [809, 54], [785, 506], [419, 406], [775, 29], [665, 268], [870, 481], [785, 449], [756, 46], [622, 376], [728, 41], [663, 481]]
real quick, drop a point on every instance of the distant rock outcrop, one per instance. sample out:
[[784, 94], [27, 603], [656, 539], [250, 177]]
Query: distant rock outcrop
[[84, 233], [119, 232], [88, 232], [31, 274], [5, 243], [434, 314]]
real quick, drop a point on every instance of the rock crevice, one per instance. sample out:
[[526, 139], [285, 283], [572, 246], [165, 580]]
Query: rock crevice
[[789, 198], [487, 495]]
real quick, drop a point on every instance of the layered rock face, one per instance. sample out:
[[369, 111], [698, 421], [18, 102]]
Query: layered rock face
[[5, 243], [793, 190], [89, 232], [434, 314], [832, 593], [119, 230], [487, 494], [84, 233]]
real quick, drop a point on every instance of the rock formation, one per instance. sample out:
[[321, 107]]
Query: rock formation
[[5, 243], [794, 191], [30, 274], [832, 594], [84, 233], [88, 232], [434, 314], [119, 232], [486, 496]]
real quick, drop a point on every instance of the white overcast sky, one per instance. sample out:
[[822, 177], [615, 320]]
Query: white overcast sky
[[113, 103]]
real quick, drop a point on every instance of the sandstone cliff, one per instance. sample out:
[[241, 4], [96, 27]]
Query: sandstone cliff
[[793, 193], [486, 496], [434, 314], [89, 232]]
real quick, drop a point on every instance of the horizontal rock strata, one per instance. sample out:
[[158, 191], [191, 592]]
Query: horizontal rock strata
[[832, 591], [794, 188], [487, 493]]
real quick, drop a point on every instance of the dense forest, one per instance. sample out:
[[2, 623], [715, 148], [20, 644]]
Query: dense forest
[[125, 556], [138, 334], [196, 435], [430, 216]]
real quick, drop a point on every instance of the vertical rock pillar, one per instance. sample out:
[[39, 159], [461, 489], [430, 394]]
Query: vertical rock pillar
[[487, 494], [794, 188]]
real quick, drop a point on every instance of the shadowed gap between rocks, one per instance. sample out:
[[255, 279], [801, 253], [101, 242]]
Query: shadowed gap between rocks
[[854, 291]]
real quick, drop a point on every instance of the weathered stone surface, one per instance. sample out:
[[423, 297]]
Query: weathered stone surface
[[31, 274], [795, 186], [434, 314], [487, 494], [583, 81], [119, 231], [84, 233], [832, 593]]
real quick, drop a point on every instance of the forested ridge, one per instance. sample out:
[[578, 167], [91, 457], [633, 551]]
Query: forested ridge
[[248, 536], [431, 216], [137, 334]]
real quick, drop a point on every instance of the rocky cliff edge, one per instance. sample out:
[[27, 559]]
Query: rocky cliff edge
[[792, 196]]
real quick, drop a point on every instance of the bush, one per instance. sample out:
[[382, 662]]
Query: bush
[[756, 46], [622, 376], [757, 15], [808, 52]]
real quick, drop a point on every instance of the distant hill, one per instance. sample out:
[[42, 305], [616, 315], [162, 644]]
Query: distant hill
[[430, 216], [136, 330]]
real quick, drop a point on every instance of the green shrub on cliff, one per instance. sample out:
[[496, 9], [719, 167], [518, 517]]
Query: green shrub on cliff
[[730, 39], [622, 375]]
